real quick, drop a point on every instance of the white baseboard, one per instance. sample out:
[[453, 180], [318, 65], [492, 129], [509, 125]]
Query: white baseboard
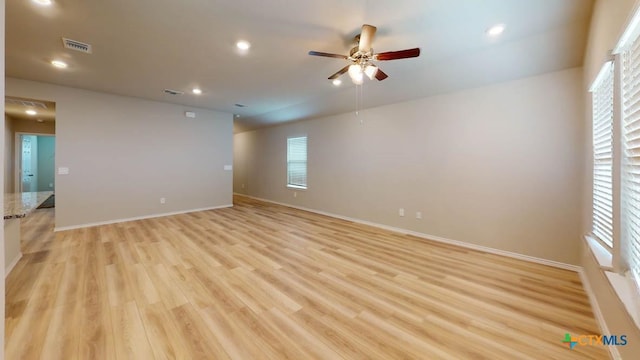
[[12, 264], [108, 222], [463, 244]]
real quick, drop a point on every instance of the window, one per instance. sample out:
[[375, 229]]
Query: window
[[630, 176], [602, 105], [616, 155], [297, 162], [615, 239]]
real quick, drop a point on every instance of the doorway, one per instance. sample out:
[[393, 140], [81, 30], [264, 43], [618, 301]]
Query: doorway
[[30, 136], [35, 162]]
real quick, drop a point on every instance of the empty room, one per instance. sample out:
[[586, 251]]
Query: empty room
[[364, 179]]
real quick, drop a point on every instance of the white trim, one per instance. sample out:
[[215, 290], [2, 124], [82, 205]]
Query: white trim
[[597, 312], [600, 252], [463, 244], [601, 74], [136, 218], [12, 264]]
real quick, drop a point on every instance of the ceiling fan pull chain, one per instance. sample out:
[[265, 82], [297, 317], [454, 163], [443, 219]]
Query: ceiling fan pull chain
[[358, 99], [357, 103], [361, 100]]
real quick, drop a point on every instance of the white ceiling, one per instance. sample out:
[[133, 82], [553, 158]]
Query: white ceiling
[[144, 46]]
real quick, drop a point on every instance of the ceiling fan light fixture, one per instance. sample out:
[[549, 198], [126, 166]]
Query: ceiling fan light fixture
[[336, 82], [371, 71], [31, 112], [356, 74]]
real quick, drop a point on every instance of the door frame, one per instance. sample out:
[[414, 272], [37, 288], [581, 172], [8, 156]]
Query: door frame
[[17, 167]]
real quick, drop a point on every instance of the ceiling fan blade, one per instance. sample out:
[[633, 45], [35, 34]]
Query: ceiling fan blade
[[394, 55], [339, 73], [366, 37], [380, 75], [319, 53]]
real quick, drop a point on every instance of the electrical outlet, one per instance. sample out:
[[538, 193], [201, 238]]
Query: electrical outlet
[[295, 194], [163, 200], [242, 186], [419, 215], [401, 212]]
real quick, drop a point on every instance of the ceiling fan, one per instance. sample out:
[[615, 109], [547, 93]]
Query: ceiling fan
[[361, 57]]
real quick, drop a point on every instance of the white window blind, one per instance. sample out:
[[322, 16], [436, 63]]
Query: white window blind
[[297, 162], [602, 102], [630, 204]]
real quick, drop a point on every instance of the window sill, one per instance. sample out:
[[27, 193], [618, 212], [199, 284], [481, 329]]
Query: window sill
[[295, 187], [602, 254], [623, 286]]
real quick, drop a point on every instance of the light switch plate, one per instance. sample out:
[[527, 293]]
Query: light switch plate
[[228, 167], [63, 171]]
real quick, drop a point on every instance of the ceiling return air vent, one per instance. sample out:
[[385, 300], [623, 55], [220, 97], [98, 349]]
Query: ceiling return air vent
[[173, 92], [76, 45]]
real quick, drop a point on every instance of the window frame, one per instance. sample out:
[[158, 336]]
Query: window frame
[[290, 183]]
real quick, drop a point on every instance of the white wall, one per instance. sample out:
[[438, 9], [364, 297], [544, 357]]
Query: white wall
[[607, 24], [125, 153], [497, 166]]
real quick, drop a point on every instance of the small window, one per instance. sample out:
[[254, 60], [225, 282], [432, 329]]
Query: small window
[[297, 162]]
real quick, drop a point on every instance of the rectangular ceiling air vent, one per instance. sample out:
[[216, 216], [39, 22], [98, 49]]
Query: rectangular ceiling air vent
[[26, 103], [76, 45], [173, 92]]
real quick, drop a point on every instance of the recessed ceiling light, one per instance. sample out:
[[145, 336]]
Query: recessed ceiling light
[[59, 64], [243, 45], [31, 112], [495, 30], [337, 82], [43, 2], [196, 91]]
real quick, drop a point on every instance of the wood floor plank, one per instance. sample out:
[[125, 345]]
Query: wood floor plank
[[201, 342], [129, 333], [163, 333], [263, 281]]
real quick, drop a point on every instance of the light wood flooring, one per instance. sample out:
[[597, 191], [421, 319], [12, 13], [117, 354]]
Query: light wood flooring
[[261, 281]]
